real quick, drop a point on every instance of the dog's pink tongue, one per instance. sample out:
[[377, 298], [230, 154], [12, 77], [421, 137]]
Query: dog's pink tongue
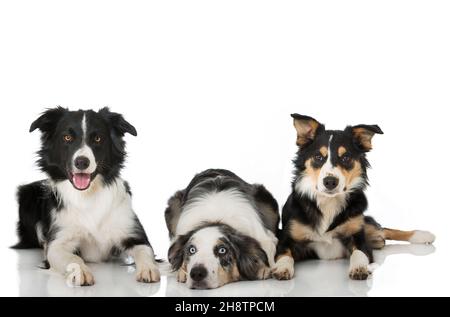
[[81, 181]]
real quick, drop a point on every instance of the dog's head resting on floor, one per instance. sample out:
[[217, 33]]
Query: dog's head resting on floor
[[215, 254], [331, 163], [80, 145]]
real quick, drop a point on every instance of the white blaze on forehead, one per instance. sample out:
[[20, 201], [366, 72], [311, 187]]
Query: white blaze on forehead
[[329, 170], [84, 126], [206, 239], [85, 151]]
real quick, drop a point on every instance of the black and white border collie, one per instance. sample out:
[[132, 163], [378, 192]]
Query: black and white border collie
[[82, 212], [222, 230], [324, 216]]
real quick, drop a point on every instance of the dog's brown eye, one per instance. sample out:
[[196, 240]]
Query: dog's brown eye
[[345, 159], [318, 158], [97, 139], [68, 138]]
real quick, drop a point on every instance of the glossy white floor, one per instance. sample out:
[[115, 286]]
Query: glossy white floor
[[402, 270]]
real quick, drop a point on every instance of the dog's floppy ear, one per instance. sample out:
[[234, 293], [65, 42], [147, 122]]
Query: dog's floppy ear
[[176, 252], [307, 128], [251, 258], [118, 122], [48, 120], [363, 134]]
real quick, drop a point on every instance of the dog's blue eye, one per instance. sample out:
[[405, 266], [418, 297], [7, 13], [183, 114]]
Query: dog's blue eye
[[192, 250], [222, 250]]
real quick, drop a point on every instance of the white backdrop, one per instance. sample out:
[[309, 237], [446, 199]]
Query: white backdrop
[[212, 83]]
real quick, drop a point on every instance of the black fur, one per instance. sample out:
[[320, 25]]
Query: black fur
[[38, 200], [303, 208]]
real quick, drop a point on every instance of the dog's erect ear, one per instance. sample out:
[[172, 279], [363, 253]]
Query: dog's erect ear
[[176, 252], [307, 128], [48, 120], [363, 134], [251, 258], [118, 123]]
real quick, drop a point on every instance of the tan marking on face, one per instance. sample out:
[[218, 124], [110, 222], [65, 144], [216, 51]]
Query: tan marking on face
[[349, 228], [341, 151], [350, 175], [311, 172], [299, 231], [182, 273], [287, 253], [229, 275], [324, 151]]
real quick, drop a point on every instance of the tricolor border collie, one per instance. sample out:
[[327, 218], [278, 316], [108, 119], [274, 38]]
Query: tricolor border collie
[[324, 216], [222, 230], [82, 212]]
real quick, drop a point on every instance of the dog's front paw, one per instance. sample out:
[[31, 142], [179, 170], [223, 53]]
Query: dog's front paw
[[283, 268], [148, 274], [422, 237], [359, 266], [359, 273], [79, 275]]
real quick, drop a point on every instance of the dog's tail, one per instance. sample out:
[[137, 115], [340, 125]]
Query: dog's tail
[[376, 235], [413, 236]]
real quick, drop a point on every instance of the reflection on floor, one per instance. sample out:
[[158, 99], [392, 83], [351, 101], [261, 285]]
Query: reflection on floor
[[312, 278]]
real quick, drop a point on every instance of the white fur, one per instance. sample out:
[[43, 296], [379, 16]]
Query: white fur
[[86, 151], [329, 250], [84, 126], [330, 208], [93, 220], [39, 233], [284, 265], [358, 260], [146, 267], [231, 208], [205, 240], [422, 237]]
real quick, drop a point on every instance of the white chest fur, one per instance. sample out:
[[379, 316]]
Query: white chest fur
[[325, 246], [98, 218]]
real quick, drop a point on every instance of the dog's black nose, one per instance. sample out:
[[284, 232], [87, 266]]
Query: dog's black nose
[[82, 162], [198, 273], [330, 182]]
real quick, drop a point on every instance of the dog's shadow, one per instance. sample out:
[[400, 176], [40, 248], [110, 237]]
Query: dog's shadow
[[312, 278], [112, 279]]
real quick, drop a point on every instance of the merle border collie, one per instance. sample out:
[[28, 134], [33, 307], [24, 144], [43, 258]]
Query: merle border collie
[[324, 216], [222, 230], [82, 212]]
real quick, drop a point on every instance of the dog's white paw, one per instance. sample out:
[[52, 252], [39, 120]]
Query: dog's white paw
[[422, 237], [78, 275], [283, 268], [359, 266], [148, 274]]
